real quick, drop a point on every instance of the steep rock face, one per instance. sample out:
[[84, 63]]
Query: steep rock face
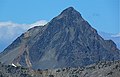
[[66, 41]]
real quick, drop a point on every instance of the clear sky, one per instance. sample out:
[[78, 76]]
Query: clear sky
[[101, 14]]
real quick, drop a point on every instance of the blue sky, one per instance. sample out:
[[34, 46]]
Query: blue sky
[[101, 14]]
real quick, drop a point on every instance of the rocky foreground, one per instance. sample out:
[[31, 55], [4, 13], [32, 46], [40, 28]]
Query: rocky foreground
[[101, 69]]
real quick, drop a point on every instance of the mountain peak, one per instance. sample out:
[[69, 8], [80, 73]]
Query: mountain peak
[[66, 41], [70, 11]]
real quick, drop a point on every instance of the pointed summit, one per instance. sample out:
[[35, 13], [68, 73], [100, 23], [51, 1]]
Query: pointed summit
[[67, 17], [69, 9], [66, 41], [70, 12]]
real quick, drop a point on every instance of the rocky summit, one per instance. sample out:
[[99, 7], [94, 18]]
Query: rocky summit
[[66, 41]]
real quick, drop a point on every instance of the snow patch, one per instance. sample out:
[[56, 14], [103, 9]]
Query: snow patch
[[13, 65]]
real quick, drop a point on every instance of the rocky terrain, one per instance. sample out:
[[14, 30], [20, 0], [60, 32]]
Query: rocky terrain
[[11, 71], [114, 37], [101, 69], [66, 41]]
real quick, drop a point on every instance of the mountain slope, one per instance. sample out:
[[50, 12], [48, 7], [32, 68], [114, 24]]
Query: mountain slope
[[114, 37], [66, 41]]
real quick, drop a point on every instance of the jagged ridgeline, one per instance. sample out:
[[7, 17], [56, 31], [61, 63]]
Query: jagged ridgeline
[[66, 41]]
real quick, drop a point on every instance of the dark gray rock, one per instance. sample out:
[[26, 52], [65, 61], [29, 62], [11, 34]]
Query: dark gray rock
[[66, 41]]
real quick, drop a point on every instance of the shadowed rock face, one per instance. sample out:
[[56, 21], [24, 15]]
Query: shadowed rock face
[[66, 41]]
